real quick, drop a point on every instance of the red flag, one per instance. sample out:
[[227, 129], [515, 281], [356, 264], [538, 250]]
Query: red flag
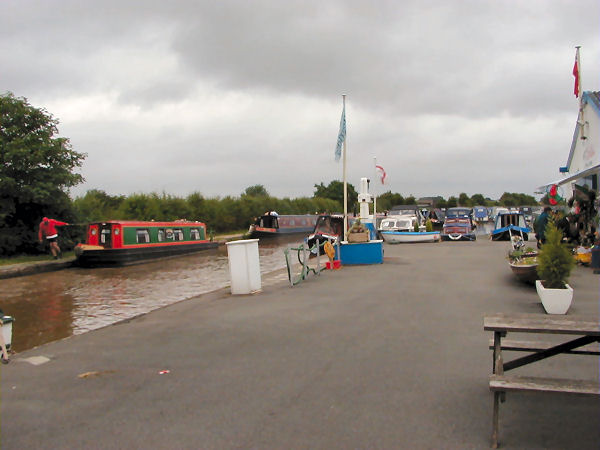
[[382, 172], [576, 75]]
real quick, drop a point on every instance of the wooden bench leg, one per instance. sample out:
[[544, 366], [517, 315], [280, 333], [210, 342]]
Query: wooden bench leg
[[495, 419]]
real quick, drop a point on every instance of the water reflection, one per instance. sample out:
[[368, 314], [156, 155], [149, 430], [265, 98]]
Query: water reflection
[[55, 305]]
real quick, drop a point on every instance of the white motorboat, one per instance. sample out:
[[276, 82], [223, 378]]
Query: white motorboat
[[405, 237]]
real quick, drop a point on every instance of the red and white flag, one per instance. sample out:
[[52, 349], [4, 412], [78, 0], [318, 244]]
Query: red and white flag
[[381, 173], [576, 88]]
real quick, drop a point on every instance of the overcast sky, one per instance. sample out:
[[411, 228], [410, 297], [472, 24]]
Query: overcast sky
[[215, 96]]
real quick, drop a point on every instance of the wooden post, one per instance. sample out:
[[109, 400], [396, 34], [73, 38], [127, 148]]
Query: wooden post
[[498, 370]]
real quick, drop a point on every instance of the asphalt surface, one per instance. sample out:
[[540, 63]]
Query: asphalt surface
[[385, 356]]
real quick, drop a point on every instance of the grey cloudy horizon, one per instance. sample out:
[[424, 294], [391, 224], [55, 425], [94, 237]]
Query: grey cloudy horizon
[[467, 96]]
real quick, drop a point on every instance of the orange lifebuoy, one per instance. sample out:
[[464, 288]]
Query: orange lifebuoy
[[329, 251]]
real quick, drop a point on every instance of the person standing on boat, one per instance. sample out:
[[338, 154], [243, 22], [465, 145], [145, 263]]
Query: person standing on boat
[[48, 231], [540, 226]]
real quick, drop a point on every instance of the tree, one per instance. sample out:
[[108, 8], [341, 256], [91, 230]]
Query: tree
[[452, 202], [515, 199], [335, 191], [36, 171], [464, 200], [478, 199], [387, 200], [97, 205], [258, 190]]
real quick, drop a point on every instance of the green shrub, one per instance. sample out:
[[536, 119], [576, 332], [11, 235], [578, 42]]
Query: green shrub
[[428, 225], [555, 260]]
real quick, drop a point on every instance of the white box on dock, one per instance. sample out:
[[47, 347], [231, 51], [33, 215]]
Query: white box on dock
[[7, 323], [244, 266]]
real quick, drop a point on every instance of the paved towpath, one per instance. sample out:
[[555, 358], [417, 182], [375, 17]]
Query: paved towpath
[[387, 356]]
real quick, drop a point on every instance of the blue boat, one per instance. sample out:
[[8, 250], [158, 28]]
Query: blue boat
[[508, 224]]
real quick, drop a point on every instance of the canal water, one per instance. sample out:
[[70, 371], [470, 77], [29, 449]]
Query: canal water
[[55, 305]]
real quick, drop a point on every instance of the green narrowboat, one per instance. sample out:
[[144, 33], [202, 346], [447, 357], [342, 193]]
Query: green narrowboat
[[119, 242]]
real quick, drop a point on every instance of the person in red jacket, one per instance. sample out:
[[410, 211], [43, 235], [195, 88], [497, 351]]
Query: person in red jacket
[[48, 231]]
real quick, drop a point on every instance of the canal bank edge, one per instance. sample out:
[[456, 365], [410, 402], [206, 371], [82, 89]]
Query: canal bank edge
[[32, 268]]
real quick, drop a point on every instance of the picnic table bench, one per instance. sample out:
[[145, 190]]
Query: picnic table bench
[[587, 329]]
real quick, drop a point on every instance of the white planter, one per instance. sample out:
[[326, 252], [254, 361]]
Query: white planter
[[555, 301]]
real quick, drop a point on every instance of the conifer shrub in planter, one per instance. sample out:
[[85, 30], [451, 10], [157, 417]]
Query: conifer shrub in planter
[[555, 262], [358, 232]]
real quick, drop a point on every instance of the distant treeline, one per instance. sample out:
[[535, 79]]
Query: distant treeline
[[223, 214]]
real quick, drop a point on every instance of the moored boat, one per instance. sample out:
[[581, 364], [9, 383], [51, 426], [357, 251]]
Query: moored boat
[[329, 228], [458, 229], [508, 224], [481, 214], [437, 217], [126, 242], [397, 223], [273, 224], [404, 237]]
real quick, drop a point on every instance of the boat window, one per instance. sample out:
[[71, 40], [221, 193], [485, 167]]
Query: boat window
[[178, 234], [292, 222], [194, 234], [142, 236], [169, 234], [161, 235]]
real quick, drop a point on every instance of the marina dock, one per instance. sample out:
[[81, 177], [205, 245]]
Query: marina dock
[[385, 356]]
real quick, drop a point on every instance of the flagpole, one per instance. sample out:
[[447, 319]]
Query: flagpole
[[579, 90], [581, 120], [345, 185]]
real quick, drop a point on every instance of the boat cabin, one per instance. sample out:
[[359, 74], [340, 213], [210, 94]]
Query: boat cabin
[[123, 234], [503, 220]]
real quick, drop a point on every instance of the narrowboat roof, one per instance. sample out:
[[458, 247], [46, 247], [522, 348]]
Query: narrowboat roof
[[141, 223], [405, 208], [290, 215]]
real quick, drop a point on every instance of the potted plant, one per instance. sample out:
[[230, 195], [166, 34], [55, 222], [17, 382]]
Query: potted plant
[[555, 262], [358, 232], [523, 263]]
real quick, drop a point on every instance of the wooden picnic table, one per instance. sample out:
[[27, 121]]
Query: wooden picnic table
[[584, 333]]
